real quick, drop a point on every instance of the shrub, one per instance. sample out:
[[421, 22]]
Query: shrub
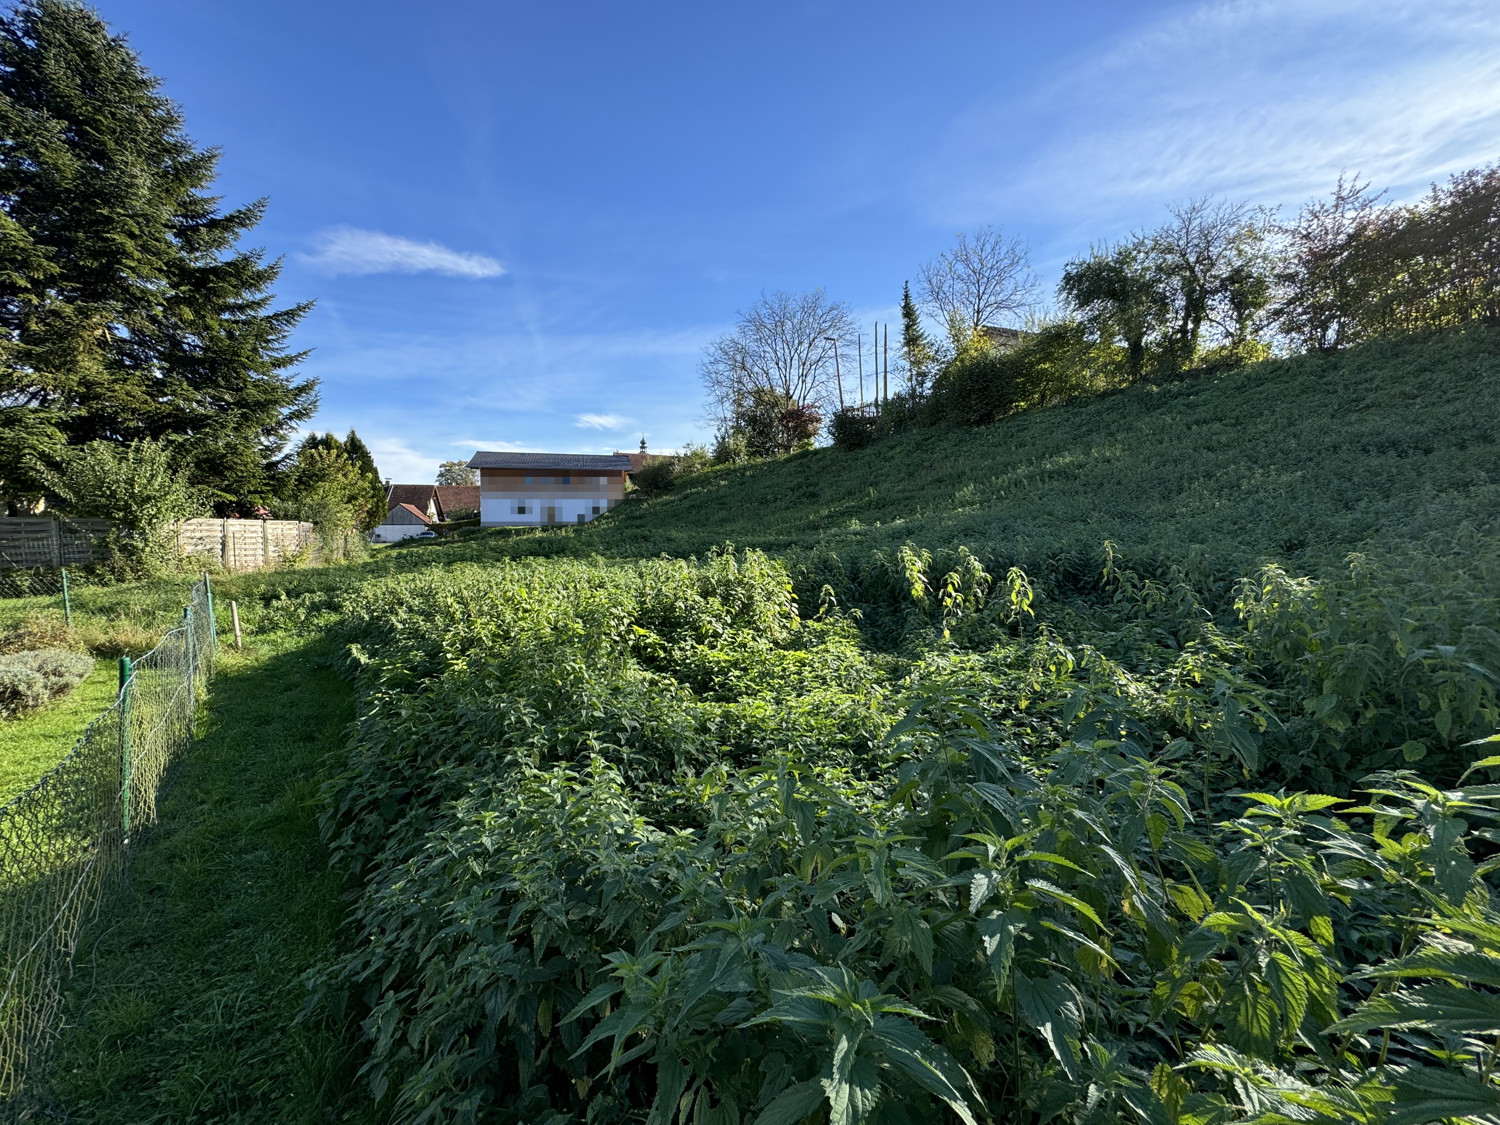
[[980, 385], [30, 679], [139, 488], [852, 428], [657, 476]]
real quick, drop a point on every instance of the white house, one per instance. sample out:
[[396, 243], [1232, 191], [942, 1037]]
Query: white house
[[541, 489]]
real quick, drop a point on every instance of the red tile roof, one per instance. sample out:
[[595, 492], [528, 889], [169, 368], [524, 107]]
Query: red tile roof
[[453, 497], [417, 495]]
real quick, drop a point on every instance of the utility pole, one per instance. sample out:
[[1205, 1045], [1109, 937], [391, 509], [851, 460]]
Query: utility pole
[[836, 374], [886, 391], [860, 343]]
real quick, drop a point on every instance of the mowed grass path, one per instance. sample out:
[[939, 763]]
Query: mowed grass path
[[186, 1007]]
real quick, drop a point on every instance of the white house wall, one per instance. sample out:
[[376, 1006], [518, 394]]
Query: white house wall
[[502, 511], [394, 532]]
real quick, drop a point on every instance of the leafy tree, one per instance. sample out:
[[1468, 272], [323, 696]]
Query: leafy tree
[[1120, 297], [765, 424], [917, 356], [127, 312], [1328, 258], [374, 505], [327, 485], [457, 473], [1213, 267], [137, 487]]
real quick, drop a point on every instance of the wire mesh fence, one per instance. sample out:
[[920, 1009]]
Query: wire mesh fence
[[65, 843]]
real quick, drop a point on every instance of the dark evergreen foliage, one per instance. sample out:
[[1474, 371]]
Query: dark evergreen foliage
[[127, 310]]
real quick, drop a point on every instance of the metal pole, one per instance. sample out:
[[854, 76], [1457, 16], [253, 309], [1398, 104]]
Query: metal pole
[[126, 679], [860, 343], [67, 602], [886, 392], [837, 374], [234, 613]]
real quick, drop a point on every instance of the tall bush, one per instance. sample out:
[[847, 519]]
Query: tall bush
[[141, 490]]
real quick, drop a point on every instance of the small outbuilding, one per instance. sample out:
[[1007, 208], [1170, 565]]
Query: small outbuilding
[[401, 522]]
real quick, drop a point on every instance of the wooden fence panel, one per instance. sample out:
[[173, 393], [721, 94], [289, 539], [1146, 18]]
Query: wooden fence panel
[[43, 541], [32, 541], [246, 544]]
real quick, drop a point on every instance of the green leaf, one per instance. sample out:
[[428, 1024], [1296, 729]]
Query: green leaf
[[997, 932], [1054, 1009], [1424, 1094], [1441, 1008], [792, 1104], [852, 1086], [926, 1063]]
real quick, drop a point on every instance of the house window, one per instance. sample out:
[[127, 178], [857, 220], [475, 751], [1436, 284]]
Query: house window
[[596, 509], [580, 517], [520, 510], [563, 479]]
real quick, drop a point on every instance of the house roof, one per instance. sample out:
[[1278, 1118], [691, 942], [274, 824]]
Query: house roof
[[421, 515], [1004, 338], [451, 497], [417, 495], [583, 462]]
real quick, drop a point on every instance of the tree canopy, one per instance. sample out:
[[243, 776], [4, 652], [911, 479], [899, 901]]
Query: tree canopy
[[127, 309]]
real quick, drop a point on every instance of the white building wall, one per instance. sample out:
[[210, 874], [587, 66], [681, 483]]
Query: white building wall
[[504, 510], [394, 532]]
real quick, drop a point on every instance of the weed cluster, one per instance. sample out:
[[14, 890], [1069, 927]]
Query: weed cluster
[[646, 841]]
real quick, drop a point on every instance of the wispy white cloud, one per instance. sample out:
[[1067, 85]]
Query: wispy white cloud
[[349, 250], [601, 421], [1261, 99]]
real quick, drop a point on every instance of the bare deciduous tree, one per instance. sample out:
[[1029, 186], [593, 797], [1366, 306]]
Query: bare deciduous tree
[[983, 279], [780, 345]]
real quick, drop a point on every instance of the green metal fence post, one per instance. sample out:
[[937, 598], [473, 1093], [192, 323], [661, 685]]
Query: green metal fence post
[[126, 679], [67, 602], [192, 661], [208, 594]]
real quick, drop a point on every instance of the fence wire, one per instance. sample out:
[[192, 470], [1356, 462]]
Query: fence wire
[[65, 843]]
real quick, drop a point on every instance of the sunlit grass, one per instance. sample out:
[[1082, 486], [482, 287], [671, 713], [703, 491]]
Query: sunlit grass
[[32, 743]]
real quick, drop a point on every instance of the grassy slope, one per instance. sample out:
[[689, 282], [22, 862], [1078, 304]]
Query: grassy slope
[[33, 743], [185, 1009], [1302, 459]]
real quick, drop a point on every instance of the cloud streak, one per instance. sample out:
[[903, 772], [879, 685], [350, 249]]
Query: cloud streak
[[1266, 100], [349, 250], [601, 421]]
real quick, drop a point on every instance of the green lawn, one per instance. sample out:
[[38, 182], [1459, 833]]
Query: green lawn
[[33, 743], [186, 1008]]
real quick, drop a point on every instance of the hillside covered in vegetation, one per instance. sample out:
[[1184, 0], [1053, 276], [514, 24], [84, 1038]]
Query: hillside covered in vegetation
[[1382, 447], [1113, 763]]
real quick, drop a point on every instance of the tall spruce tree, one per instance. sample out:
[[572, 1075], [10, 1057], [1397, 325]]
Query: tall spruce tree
[[126, 309], [916, 349]]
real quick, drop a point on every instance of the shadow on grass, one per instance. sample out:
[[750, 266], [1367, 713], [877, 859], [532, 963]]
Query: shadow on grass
[[184, 1007]]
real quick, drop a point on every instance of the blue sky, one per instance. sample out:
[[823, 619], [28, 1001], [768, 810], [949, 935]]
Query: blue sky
[[521, 223]]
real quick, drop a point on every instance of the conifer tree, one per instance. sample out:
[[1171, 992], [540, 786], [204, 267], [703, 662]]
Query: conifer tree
[[916, 349], [127, 310]]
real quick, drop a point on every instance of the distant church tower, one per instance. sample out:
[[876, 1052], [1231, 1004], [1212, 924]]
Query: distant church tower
[[643, 443]]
